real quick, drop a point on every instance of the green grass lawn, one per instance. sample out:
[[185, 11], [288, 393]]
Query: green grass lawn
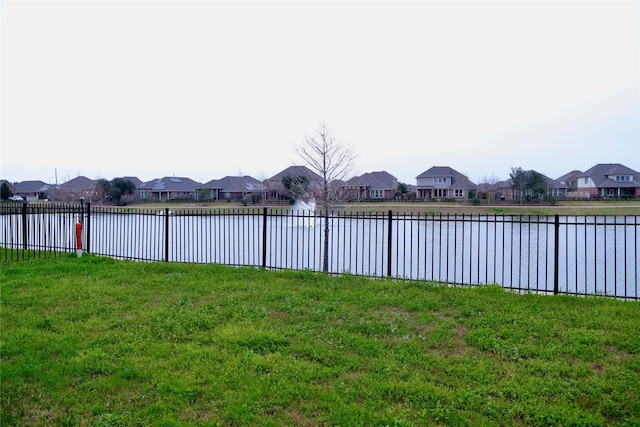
[[99, 342]]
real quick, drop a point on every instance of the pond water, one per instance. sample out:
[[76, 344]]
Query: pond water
[[595, 254]]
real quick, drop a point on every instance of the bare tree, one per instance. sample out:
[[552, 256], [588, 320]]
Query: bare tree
[[488, 187], [262, 177], [332, 161]]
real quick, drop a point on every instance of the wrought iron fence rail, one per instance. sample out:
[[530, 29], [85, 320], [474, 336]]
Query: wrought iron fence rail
[[580, 255]]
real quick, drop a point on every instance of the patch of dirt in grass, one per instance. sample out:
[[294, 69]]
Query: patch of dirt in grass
[[597, 368], [299, 419], [460, 331]]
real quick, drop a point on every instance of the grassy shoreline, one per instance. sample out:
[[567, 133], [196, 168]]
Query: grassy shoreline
[[95, 341]]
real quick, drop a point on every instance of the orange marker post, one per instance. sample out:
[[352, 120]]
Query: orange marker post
[[79, 239]]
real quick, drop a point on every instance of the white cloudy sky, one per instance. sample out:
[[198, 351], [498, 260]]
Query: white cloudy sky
[[206, 89]]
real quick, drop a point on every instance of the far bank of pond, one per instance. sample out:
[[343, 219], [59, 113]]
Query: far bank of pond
[[568, 208]]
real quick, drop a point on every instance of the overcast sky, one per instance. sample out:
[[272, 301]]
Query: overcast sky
[[206, 89]]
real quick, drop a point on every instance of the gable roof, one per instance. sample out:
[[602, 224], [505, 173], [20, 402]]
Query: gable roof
[[9, 184], [235, 184], [293, 171], [135, 180], [573, 174], [275, 182], [458, 180], [171, 183], [79, 183], [30, 186], [601, 175], [381, 180]]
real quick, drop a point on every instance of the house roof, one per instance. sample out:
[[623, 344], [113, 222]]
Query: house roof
[[292, 171], [563, 179], [375, 181], [11, 186], [30, 186], [135, 180], [437, 171], [79, 183], [235, 184], [171, 183], [602, 173], [275, 182], [458, 180]]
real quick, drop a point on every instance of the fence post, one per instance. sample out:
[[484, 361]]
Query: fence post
[[556, 255], [264, 237], [88, 229], [389, 243], [24, 226], [166, 234]]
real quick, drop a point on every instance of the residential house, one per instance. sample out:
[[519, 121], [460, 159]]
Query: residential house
[[609, 180], [232, 188], [371, 185], [505, 190], [488, 190], [443, 182], [410, 189], [570, 182], [570, 179], [31, 190], [302, 177], [169, 189], [10, 186], [76, 189]]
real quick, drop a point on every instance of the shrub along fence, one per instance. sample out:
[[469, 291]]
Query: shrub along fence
[[581, 255]]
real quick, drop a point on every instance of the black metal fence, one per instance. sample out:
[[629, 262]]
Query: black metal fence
[[581, 255]]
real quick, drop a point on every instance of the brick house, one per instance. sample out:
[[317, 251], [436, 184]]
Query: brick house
[[371, 185], [31, 190], [169, 188], [609, 180], [232, 188], [276, 188], [443, 182]]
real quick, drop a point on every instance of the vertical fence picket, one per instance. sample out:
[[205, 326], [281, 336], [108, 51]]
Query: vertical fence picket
[[389, 242], [556, 255]]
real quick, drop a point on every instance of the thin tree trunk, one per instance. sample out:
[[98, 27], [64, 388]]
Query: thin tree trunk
[[325, 254]]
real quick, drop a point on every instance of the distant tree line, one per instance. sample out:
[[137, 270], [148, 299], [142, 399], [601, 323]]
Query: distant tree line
[[114, 190]]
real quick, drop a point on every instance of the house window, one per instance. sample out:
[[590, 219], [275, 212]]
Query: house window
[[457, 193], [440, 180], [376, 194]]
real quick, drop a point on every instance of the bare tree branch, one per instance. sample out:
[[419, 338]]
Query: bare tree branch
[[331, 160]]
